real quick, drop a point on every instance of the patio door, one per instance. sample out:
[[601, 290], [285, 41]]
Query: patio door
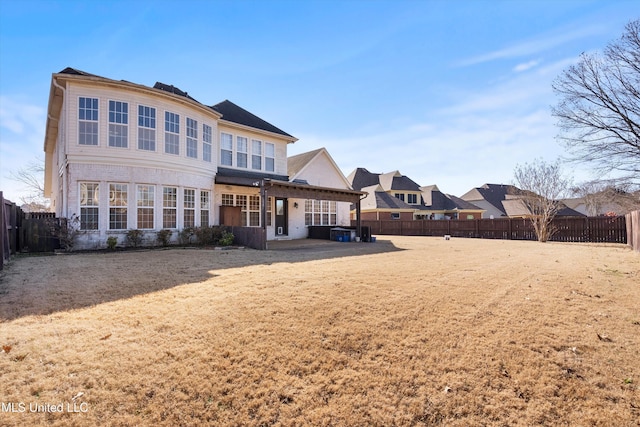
[[281, 217]]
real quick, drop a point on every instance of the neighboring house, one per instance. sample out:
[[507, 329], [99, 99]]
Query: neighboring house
[[389, 195], [502, 201], [489, 197], [395, 196], [438, 205], [122, 156]]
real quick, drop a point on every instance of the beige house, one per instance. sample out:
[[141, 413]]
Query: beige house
[[123, 156]]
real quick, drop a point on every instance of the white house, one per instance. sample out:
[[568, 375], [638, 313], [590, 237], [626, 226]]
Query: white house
[[123, 156]]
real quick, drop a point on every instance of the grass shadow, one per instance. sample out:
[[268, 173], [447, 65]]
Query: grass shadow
[[33, 286]]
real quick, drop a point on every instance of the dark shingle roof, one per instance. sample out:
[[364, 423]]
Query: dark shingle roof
[[387, 201], [361, 178], [233, 113], [494, 194], [172, 89], [404, 183]]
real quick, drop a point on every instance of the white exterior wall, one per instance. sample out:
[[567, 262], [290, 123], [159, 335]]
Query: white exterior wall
[[132, 176]]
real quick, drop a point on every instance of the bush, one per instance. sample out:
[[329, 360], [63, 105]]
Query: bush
[[185, 235], [226, 239], [212, 235], [164, 236], [112, 242], [134, 237]]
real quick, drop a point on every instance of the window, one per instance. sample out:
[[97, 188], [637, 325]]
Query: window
[[241, 155], [206, 143], [171, 133], [146, 199], [412, 199], [269, 202], [250, 207], [395, 215], [89, 202], [256, 154], [226, 149], [146, 128], [241, 200], [118, 124], [254, 211], [189, 204], [88, 121], [169, 207], [205, 201], [269, 157], [118, 201], [192, 138], [320, 212], [399, 196]]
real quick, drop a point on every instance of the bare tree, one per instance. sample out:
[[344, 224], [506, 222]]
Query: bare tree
[[541, 186], [599, 109], [602, 196], [31, 176]]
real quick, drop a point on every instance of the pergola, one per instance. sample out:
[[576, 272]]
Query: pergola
[[273, 187]]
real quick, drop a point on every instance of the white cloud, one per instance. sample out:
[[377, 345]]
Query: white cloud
[[526, 66], [534, 46]]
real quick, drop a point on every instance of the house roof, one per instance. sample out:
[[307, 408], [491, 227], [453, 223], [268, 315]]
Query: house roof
[[172, 89], [390, 181], [233, 113], [494, 194], [296, 163], [379, 199], [361, 178], [439, 201]]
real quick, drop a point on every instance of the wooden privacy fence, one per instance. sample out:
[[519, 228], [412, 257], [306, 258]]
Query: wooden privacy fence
[[633, 230], [25, 231], [588, 229]]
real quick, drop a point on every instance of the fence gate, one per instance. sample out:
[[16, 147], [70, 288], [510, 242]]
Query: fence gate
[[37, 232]]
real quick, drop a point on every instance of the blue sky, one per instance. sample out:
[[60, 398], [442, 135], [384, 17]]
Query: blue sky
[[453, 93]]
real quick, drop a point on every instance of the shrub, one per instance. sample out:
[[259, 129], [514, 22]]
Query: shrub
[[134, 237], [226, 239], [66, 230], [164, 236], [112, 242], [185, 235]]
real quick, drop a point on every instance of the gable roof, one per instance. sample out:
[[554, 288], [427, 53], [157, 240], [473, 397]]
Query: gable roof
[[389, 181], [233, 113], [494, 194], [296, 163], [361, 178], [436, 200]]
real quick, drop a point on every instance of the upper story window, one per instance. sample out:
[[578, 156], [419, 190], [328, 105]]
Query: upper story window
[[400, 196], [256, 154], [192, 138], [206, 143], [88, 121], [412, 199], [226, 149], [241, 154], [146, 128], [269, 157], [171, 133], [118, 124]]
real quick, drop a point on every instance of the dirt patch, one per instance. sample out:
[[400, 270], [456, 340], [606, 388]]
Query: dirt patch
[[406, 331]]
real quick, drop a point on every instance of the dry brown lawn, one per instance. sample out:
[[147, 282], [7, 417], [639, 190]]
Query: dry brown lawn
[[406, 331]]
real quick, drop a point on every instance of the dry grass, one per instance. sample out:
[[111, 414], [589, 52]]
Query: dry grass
[[408, 331]]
